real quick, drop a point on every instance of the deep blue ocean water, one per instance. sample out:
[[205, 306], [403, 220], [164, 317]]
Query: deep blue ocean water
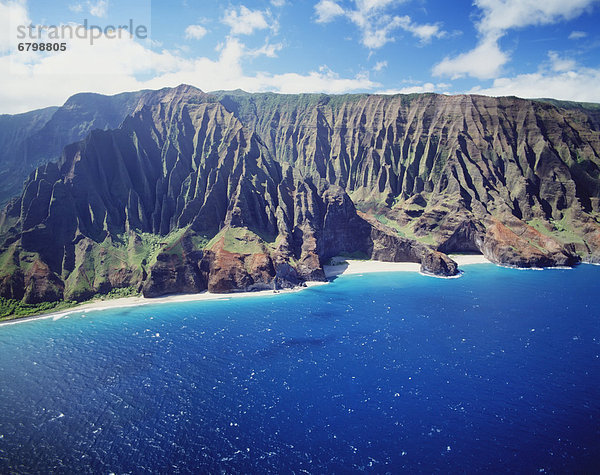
[[498, 370]]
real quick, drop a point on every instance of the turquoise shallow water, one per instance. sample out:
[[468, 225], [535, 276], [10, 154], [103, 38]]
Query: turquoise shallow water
[[498, 370]]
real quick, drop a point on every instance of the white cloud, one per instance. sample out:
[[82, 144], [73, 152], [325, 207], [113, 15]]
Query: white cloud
[[423, 32], [558, 78], [418, 89], [498, 17], [12, 14], [227, 73], [195, 32], [580, 85], [577, 35], [31, 80], [245, 21], [502, 15], [560, 64], [278, 3], [380, 65], [427, 87], [269, 50], [99, 9], [324, 80], [483, 62], [375, 24], [374, 37], [372, 5], [327, 10], [76, 7]]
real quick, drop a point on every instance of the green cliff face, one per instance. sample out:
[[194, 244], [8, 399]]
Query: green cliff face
[[231, 191], [442, 169]]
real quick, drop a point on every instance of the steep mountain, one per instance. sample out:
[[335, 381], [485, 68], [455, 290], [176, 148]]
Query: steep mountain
[[14, 131], [38, 137], [231, 191], [447, 169]]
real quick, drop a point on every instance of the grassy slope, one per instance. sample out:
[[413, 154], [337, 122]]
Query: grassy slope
[[129, 251], [122, 251], [241, 241]]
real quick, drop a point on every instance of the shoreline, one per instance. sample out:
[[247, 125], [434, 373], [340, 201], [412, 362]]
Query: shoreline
[[353, 266], [127, 302], [350, 267]]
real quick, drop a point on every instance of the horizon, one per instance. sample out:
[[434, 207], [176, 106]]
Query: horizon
[[496, 48]]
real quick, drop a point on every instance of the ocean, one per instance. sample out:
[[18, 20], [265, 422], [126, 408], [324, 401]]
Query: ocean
[[498, 370]]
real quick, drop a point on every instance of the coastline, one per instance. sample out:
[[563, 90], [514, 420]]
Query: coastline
[[348, 267], [126, 302], [352, 266]]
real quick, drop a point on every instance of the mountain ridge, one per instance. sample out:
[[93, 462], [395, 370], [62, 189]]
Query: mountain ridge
[[232, 191]]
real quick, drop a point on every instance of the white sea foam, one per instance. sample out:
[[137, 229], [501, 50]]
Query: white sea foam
[[429, 274]]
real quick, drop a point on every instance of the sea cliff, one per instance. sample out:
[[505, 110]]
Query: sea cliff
[[230, 191]]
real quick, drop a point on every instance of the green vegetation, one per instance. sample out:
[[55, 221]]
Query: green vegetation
[[94, 264], [531, 242], [561, 230], [14, 258], [11, 309], [7, 260], [144, 250], [240, 241], [153, 244], [404, 231], [123, 292], [172, 243], [126, 251], [591, 106]]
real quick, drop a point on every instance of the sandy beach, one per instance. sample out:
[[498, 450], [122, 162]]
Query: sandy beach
[[126, 302], [351, 266], [346, 267]]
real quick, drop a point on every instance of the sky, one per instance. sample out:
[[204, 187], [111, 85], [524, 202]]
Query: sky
[[525, 48]]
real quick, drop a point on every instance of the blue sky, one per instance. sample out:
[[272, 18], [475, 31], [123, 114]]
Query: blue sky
[[528, 48]]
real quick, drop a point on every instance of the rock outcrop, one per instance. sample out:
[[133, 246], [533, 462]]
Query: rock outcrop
[[523, 246]]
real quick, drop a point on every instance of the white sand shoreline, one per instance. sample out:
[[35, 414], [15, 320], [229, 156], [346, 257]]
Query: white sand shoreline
[[350, 267], [127, 302]]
